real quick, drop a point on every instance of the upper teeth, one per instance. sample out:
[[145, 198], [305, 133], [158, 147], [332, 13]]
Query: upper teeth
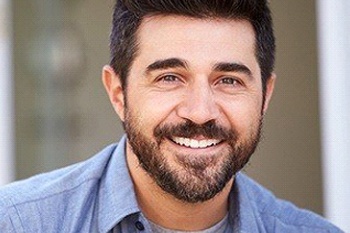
[[192, 143]]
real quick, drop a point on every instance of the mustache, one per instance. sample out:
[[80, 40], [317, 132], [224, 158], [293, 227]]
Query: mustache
[[189, 129]]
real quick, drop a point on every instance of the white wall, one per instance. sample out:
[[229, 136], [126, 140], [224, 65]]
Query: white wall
[[334, 67], [6, 102]]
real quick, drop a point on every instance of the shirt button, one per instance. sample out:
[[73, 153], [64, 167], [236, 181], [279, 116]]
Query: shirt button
[[139, 226]]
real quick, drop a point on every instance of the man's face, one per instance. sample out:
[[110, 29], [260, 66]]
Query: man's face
[[193, 104]]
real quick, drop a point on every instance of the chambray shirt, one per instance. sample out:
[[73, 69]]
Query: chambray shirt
[[97, 195]]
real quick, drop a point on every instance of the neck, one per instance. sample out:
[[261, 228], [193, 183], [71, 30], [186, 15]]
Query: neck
[[169, 212]]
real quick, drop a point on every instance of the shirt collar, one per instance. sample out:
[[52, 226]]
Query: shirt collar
[[243, 212], [117, 197]]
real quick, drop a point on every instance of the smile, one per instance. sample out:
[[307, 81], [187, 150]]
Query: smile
[[195, 144]]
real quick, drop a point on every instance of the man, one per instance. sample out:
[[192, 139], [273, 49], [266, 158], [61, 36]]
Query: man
[[191, 82]]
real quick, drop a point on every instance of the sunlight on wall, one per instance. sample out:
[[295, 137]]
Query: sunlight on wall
[[6, 100], [334, 50]]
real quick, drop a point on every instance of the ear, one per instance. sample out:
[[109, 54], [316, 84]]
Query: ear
[[112, 84], [270, 85]]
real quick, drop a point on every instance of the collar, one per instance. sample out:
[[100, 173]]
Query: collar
[[117, 197], [244, 214]]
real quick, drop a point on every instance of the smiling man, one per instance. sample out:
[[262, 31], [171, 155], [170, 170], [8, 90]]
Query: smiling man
[[191, 82]]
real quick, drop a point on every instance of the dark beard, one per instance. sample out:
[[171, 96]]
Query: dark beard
[[198, 181]]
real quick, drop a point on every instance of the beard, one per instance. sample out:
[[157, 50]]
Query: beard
[[192, 178]]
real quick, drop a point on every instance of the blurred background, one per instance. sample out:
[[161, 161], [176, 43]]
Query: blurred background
[[55, 112]]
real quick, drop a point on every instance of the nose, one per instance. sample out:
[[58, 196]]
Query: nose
[[199, 104]]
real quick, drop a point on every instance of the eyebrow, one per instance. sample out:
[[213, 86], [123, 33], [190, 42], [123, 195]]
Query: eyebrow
[[232, 67], [166, 64], [219, 67]]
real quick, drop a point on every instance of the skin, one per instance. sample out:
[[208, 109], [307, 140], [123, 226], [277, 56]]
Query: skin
[[198, 92]]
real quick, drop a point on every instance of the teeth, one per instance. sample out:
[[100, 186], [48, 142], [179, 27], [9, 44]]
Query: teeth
[[192, 143]]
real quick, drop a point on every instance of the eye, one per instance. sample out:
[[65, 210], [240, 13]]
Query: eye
[[229, 81], [169, 78], [230, 84], [169, 81]]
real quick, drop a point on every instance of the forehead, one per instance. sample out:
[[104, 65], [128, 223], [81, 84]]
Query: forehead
[[169, 25], [208, 40]]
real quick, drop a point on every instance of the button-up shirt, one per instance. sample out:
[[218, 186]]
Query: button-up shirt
[[97, 195]]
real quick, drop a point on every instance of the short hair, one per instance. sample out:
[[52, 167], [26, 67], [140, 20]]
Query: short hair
[[128, 15]]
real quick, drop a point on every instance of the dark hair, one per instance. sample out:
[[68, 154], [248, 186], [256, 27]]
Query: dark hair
[[128, 15]]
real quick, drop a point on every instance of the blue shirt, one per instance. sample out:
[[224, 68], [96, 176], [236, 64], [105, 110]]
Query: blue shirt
[[97, 195]]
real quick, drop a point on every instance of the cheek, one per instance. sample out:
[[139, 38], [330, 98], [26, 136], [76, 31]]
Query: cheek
[[151, 109], [244, 116]]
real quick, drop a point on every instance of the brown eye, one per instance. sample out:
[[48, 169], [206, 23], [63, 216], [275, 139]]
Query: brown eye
[[229, 81], [230, 84], [169, 81], [169, 78]]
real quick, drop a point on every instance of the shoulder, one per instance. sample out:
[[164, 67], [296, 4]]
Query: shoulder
[[52, 190], [57, 181], [279, 215]]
